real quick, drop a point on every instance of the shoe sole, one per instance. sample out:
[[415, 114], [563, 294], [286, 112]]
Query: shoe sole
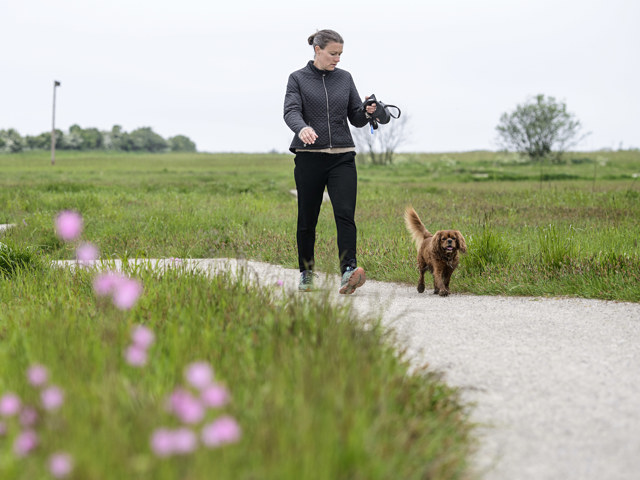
[[356, 280]]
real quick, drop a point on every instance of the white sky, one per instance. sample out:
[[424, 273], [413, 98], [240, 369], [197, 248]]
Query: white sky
[[217, 71]]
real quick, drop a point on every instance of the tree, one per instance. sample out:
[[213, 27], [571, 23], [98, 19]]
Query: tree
[[91, 139], [181, 143], [11, 141], [381, 145], [145, 139], [540, 128], [116, 139]]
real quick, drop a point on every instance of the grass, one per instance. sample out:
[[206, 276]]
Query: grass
[[316, 393], [200, 205]]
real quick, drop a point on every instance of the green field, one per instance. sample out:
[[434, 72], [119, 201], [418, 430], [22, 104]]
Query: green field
[[316, 393], [559, 230]]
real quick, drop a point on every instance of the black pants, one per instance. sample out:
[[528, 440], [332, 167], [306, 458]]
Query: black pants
[[337, 172]]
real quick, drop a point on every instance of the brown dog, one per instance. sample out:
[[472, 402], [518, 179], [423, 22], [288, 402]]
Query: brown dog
[[437, 253]]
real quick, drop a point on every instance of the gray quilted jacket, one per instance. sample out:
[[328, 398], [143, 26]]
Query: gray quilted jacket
[[323, 100]]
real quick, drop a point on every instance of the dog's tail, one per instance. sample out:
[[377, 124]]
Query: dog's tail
[[415, 226]]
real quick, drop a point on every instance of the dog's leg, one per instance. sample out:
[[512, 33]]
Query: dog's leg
[[447, 278], [423, 269], [438, 283]]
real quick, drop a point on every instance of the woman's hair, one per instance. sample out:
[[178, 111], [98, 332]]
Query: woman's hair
[[323, 37]]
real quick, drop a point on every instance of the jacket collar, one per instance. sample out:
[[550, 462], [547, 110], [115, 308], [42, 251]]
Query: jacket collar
[[316, 70]]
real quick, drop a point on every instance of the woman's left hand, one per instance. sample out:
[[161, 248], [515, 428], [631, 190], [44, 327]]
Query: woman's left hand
[[370, 109]]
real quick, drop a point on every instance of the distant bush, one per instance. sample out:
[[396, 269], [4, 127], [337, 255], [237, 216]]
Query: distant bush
[[143, 139]]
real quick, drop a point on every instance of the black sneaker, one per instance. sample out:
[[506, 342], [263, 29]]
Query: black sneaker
[[352, 278], [306, 281]]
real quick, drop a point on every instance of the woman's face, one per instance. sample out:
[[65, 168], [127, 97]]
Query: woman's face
[[328, 58]]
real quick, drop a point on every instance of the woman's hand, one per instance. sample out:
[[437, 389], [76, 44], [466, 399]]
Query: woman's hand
[[308, 135], [371, 109]]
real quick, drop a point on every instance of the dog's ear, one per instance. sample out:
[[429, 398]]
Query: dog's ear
[[461, 243], [436, 242]]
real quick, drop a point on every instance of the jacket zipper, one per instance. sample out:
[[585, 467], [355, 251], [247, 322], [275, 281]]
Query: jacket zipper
[[326, 94]]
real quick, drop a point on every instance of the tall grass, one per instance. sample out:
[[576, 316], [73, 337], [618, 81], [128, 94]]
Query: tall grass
[[316, 395]]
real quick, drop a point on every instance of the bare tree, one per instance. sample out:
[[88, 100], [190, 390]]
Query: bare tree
[[380, 145]]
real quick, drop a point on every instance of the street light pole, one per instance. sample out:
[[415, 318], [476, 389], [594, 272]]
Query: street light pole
[[53, 124]]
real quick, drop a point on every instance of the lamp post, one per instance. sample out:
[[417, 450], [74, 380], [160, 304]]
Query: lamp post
[[53, 124]]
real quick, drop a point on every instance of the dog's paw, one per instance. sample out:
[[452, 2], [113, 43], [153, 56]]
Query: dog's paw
[[443, 293], [420, 287]]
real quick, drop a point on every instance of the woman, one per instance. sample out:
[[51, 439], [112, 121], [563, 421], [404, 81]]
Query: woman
[[320, 99]]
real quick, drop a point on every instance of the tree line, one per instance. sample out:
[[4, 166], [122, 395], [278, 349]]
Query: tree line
[[142, 139]]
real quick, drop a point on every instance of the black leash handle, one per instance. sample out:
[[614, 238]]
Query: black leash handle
[[372, 121]]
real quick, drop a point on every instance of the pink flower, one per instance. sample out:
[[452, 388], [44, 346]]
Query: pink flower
[[214, 396], [9, 404], [126, 293], [25, 442], [136, 356], [185, 406], [52, 398], [184, 441], [37, 375], [199, 374], [162, 442], [104, 284], [60, 465], [222, 431], [87, 253], [68, 225], [28, 417], [165, 442], [280, 283], [142, 337]]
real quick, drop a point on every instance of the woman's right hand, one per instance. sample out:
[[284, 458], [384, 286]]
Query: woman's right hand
[[308, 135]]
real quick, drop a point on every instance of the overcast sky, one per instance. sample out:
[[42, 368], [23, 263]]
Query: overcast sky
[[216, 71]]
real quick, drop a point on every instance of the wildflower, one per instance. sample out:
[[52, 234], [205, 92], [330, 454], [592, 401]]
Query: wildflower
[[185, 406], [87, 253], [125, 290], [214, 396], [280, 283], [142, 337], [184, 441], [104, 283], [222, 431], [9, 404], [52, 398], [126, 293], [25, 442], [199, 374], [37, 375], [136, 356], [162, 442], [60, 465], [68, 225]]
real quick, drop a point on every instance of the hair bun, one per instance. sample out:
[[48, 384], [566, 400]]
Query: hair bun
[[310, 39]]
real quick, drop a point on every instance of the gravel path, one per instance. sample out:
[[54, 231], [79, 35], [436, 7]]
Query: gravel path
[[555, 382]]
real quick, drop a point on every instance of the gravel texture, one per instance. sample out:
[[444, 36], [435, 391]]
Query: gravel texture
[[554, 382]]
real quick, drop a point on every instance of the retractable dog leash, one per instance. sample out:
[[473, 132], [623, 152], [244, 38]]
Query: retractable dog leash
[[382, 114]]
